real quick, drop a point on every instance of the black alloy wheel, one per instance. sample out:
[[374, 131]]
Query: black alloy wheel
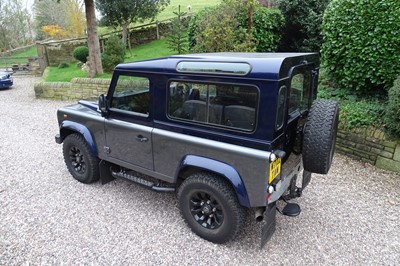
[[206, 210], [82, 165], [210, 207]]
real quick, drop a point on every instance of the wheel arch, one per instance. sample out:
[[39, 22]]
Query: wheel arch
[[69, 127], [192, 163]]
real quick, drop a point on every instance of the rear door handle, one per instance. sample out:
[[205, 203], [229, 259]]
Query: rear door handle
[[141, 138]]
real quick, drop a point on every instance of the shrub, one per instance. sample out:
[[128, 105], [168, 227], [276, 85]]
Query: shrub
[[225, 28], [114, 53], [356, 111], [81, 53], [219, 30], [63, 65], [302, 31], [267, 28], [193, 29], [361, 114], [392, 118], [361, 43]]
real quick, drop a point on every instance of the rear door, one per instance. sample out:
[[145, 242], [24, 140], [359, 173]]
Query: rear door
[[300, 94], [128, 126]]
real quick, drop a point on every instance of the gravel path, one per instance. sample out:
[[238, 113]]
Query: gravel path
[[351, 216]]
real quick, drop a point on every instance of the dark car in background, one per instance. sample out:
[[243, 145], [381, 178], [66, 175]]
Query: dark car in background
[[6, 80]]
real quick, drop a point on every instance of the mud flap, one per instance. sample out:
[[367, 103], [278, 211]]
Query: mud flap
[[105, 173], [268, 224], [306, 179]]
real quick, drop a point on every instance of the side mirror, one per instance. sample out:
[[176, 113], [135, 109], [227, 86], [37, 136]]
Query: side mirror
[[103, 105]]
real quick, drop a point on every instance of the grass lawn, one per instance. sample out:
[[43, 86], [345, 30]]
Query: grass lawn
[[153, 49], [15, 57], [196, 6], [150, 50], [168, 12], [55, 74]]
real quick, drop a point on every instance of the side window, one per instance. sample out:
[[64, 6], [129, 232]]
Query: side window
[[226, 105], [299, 92], [281, 107], [132, 94]]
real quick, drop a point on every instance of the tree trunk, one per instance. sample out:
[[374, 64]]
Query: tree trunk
[[95, 66], [250, 17], [125, 34]]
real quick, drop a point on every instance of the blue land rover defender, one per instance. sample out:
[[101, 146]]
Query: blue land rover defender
[[227, 132]]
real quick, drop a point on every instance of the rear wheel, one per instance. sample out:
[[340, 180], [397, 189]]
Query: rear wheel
[[83, 166], [320, 136], [210, 207]]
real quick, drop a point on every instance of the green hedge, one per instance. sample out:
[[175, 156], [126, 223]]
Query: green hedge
[[303, 19], [267, 28], [361, 43], [392, 118]]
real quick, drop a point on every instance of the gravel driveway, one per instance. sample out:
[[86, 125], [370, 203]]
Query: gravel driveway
[[350, 216]]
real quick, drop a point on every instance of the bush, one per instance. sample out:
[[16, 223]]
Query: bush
[[267, 28], [356, 111], [225, 28], [361, 114], [63, 65], [193, 29], [81, 53], [114, 53], [392, 118], [302, 31], [219, 30], [361, 43]]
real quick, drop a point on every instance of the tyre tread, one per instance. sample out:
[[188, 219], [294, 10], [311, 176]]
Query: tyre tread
[[225, 188], [93, 162], [320, 136]]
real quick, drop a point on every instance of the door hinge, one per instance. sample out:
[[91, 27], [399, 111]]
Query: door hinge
[[314, 73]]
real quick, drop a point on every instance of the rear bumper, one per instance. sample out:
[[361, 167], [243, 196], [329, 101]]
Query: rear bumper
[[6, 83]]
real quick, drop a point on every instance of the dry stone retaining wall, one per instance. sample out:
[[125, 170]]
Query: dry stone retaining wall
[[370, 145], [77, 89]]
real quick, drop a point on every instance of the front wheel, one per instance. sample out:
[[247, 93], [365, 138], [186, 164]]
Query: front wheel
[[210, 207], [82, 165]]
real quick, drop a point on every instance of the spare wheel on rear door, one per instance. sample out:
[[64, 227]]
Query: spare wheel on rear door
[[320, 136]]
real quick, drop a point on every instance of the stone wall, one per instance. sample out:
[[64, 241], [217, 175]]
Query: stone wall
[[56, 52], [370, 145], [77, 89]]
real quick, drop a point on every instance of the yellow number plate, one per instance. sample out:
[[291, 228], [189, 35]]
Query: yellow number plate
[[274, 169]]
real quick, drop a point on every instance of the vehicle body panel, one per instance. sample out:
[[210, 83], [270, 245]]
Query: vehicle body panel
[[6, 81], [163, 147]]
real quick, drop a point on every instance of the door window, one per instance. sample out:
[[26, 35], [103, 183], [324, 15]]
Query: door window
[[131, 94], [299, 93]]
